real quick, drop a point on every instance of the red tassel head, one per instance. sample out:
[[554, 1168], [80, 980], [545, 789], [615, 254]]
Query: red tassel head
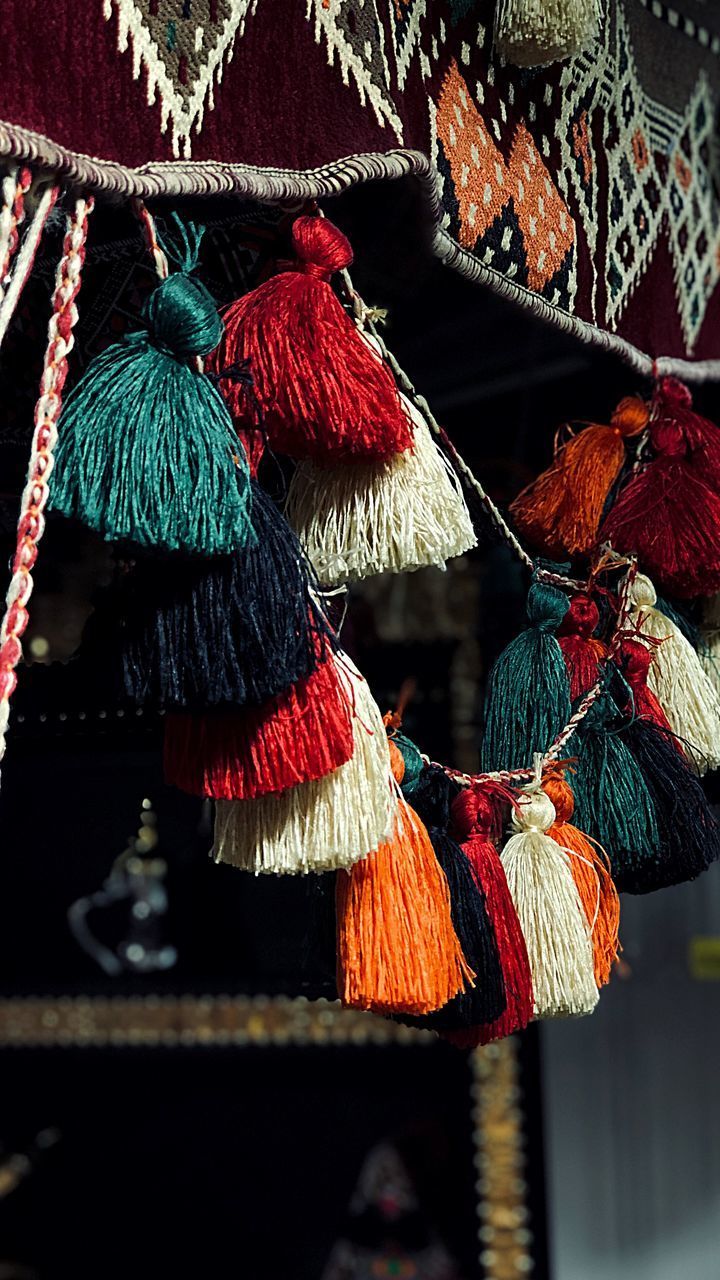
[[581, 651], [319, 389], [637, 659]]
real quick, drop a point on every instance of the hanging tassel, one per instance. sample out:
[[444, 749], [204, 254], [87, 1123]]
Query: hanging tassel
[[535, 33], [227, 632], [612, 801], [528, 698], [560, 512], [391, 516], [590, 867], [300, 736], [318, 826], [668, 514], [146, 452], [709, 642], [321, 392], [485, 1002], [550, 911], [636, 660], [672, 404], [689, 836], [397, 950], [678, 680], [582, 652], [431, 795], [476, 812]]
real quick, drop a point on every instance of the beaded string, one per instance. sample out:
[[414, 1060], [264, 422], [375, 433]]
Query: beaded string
[[31, 524]]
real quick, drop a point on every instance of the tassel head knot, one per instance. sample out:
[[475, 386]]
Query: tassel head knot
[[546, 606], [182, 318], [320, 247], [474, 812], [642, 592], [671, 394], [636, 663], [561, 797], [581, 618], [535, 812], [631, 416]]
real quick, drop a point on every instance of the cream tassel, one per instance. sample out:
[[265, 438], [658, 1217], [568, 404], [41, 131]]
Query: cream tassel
[[550, 911], [709, 650], [358, 520], [534, 33], [678, 680], [318, 826]]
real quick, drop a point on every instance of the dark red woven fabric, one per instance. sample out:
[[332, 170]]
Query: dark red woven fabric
[[584, 191]]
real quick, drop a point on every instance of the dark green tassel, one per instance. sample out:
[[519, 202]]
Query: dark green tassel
[[146, 450], [528, 698], [227, 632], [612, 802]]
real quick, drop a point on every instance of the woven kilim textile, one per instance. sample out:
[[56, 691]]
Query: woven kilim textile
[[589, 191]]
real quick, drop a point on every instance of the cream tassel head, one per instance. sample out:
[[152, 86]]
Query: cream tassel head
[[678, 680], [535, 33], [362, 519], [321, 825], [550, 911]]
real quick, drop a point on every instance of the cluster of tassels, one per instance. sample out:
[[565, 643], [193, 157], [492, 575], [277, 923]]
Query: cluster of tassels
[[467, 906]]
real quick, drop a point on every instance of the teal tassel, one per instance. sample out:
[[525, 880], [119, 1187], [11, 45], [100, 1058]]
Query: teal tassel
[[414, 763], [612, 801], [146, 450], [528, 698]]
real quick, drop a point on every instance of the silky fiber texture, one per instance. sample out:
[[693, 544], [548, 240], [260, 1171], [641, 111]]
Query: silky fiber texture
[[397, 950], [146, 451], [320, 391], [560, 512], [551, 914], [677, 678], [688, 832], [370, 518], [486, 1001], [320, 825], [535, 33], [528, 698], [299, 736], [612, 802], [590, 868], [231, 631]]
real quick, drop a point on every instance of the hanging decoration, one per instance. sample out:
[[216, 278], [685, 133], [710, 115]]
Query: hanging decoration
[[467, 903]]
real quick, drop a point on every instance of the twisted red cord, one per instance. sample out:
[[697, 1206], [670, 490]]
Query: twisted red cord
[[15, 188], [31, 523]]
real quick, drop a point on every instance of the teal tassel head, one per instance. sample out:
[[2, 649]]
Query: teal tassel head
[[528, 697], [146, 450]]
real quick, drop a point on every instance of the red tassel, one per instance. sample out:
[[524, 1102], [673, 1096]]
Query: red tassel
[[581, 651], [560, 512], [672, 402], [477, 817], [637, 659], [669, 515], [301, 735], [319, 389]]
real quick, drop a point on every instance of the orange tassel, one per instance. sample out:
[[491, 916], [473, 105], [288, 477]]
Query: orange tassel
[[397, 950], [590, 868], [561, 511]]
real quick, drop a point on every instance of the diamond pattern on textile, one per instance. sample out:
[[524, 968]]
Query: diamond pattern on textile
[[355, 39], [183, 45]]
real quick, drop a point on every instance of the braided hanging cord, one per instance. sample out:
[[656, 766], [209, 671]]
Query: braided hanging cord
[[15, 186], [31, 524]]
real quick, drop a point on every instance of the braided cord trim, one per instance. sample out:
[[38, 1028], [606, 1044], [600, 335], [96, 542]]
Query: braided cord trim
[[31, 524]]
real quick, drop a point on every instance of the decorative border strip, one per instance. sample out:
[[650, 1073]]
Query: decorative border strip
[[186, 178], [169, 1022], [687, 26]]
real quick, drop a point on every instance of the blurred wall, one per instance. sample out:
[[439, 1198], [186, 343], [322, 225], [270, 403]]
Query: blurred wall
[[632, 1099]]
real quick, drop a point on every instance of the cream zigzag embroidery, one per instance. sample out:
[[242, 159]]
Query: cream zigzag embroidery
[[185, 114]]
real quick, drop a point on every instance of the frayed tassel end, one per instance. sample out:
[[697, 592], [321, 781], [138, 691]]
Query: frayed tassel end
[[321, 825], [536, 33]]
